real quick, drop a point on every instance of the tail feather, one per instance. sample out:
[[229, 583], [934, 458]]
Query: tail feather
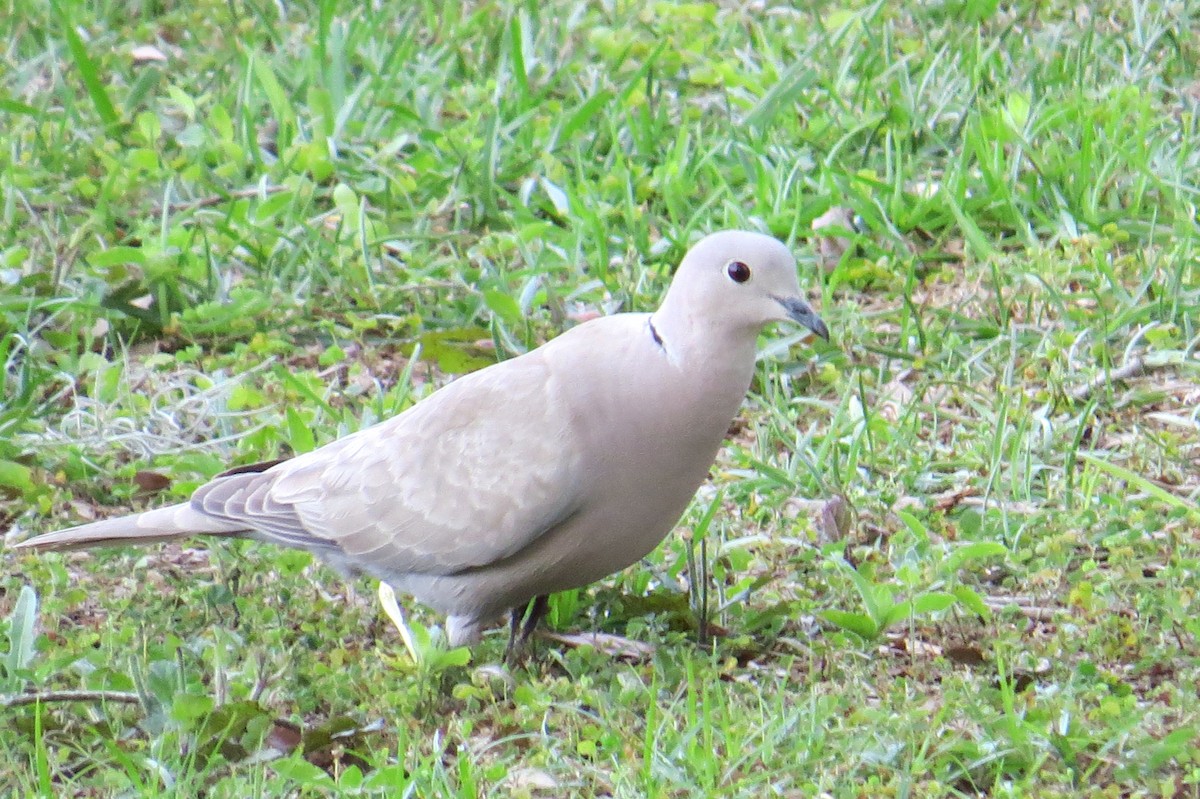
[[153, 526]]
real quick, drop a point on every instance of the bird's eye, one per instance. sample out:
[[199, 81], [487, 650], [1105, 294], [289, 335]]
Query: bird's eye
[[738, 272]]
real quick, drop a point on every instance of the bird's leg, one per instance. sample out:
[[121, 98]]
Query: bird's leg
[[537, 611], [522, 622], [514, 632]]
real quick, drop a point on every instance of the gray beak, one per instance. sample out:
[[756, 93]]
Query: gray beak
[[800, 311]]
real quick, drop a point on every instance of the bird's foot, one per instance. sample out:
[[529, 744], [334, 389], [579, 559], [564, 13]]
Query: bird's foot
[[522, 623]]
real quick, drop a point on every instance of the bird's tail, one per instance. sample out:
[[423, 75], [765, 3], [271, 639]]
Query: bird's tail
[[153, 526]]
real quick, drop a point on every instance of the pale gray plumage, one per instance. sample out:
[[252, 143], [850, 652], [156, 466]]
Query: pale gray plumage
[[539, 474]]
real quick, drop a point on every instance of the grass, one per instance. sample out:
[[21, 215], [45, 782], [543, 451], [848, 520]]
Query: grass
[[953, 553]]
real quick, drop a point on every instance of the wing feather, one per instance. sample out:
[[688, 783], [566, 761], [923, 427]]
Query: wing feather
[[469, 476]]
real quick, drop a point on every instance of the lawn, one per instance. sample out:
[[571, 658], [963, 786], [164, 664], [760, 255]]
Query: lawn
[[952, 552]]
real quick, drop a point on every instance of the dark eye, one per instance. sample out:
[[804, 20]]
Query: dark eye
[[738, 272]]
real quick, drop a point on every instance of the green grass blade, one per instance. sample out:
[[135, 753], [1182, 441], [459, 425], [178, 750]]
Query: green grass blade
[[88, 70], [1150, 487]]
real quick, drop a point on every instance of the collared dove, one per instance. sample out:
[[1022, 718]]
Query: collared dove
[[539, 474]]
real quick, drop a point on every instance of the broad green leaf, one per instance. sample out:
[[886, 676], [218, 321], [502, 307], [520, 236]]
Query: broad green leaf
[[856, 623], [876, 599], [457, 657], [973, 602], [274, 205], [914, 524], [300, 434], [16, 475], [118, 255], [300, 771], [21, 632], [187, 707], [932, 602], [503, 305], [979, 550]]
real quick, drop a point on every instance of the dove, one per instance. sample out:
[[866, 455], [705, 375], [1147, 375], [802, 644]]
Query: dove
[[538, 474]]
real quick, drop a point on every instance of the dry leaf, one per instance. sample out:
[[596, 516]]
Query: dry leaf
[[151, 482], [832, 520], [531, 779], [965, 654], [283, 737], [83, 510], [831, 248], [147, 54], [614, 646], [949, 500], [895, 396], [268, 136]]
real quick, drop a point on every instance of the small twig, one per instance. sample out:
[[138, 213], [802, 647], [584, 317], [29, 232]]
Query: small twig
[[1132, 368], [614, 646], [1017, 507], [1032, 612], [174, 208], [16, 700], [260, 684], [217, 199]]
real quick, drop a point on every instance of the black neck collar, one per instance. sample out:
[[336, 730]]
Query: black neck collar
[[654, 332]]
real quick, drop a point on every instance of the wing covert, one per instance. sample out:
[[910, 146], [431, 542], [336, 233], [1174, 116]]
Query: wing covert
[[470, 475]]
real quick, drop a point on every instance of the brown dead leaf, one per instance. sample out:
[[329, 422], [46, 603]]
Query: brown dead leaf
[[914, 647], [965, 654], [268, 136], [832, 520], [283, 737], [151, 482], [950, 500]]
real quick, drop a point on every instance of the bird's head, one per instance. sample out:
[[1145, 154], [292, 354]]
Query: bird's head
[[741, 281]]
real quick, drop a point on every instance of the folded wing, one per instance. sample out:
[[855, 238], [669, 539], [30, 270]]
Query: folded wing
[[469, 476]]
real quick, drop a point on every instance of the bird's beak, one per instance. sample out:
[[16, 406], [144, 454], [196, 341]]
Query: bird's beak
[[800, 311]]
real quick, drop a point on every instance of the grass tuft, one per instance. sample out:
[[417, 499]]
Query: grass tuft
[[950, 553]]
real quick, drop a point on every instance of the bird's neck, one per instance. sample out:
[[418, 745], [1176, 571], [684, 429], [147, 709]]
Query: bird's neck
[[708, 351]]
